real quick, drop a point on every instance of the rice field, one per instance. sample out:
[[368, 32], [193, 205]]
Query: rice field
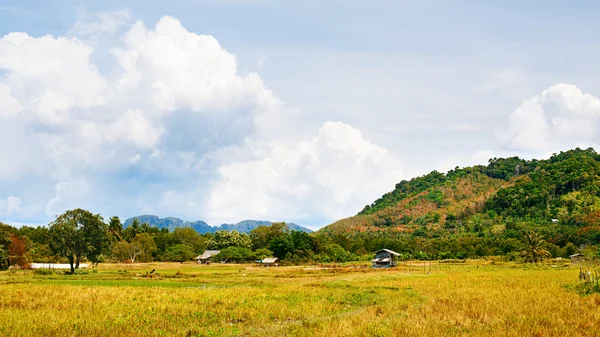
[[477, 298]]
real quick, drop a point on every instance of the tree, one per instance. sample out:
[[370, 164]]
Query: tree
[[132, 230], [17, 252], [534, 247], [261, 236], [120, 251], [188, 236], [223, 239], [263, 253], [179, 253], [6, 233], [76, 234], [3, 259], [236, 254], [143, 246], [115, 228]]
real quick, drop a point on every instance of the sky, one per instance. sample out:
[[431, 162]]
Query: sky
[[300, 111]]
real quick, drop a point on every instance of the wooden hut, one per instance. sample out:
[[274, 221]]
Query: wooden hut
[[206, 256], [385, 258]]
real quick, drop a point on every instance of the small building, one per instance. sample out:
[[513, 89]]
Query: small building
[[206, 256], [385, 258], [576, 258], [270, 261], [554, 220]]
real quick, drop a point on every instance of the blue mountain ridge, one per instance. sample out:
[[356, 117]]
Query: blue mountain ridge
[[202, 227]]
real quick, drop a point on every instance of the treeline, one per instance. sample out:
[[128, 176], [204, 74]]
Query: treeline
[[80, 236]]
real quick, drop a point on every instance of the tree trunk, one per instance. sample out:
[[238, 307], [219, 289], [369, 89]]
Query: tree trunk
[[71, 261], [77, 259]]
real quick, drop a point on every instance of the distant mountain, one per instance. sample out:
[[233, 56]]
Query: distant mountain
[[202, 227]]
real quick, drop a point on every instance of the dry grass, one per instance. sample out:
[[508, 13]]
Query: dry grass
[[241, 300]]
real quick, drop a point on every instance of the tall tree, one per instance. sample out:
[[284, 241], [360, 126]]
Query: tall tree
[[115, 228], [132, 230], [78, 233]]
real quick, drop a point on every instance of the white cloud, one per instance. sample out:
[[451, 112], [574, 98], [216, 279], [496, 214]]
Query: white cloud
[[170, 127], [330, 176], [10, 206], [561, 117]]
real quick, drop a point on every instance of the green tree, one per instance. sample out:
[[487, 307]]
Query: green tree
[[261, 236], [534, 247], [132, 230], [263, 253], [142, 246], [120, 251], [223, 239], [236, 254], [115, 228], [3, 259], [76, 234], [188, 236], [179, 253]]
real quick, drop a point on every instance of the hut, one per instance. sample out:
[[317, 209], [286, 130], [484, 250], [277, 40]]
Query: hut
[[270, 261], [576, 258], [385, 258], [206, 256]]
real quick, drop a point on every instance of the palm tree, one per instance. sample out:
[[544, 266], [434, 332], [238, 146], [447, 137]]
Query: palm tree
[[534, 247], [116, 228]]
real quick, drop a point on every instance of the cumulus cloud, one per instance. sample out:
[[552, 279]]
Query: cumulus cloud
[[561, 117], [169, 126], [332, 175], [10, 206]]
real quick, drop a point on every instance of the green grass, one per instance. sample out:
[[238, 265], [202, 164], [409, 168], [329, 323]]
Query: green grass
[[464, 299]]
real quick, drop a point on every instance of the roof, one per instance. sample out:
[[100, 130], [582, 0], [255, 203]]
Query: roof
[[270, 260], [207, 254], [388, 251], [575, 255]]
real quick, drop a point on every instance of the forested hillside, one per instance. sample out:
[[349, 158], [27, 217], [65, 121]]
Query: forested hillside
[[485, 210]]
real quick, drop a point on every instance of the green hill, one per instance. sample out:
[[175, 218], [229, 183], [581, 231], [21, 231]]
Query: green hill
[[484, 210]]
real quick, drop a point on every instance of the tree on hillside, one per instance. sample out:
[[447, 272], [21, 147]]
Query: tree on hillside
[[534, 247], [223, 239], [76, 234]]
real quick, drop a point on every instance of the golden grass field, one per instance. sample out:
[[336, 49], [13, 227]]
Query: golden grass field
[[471, 299]]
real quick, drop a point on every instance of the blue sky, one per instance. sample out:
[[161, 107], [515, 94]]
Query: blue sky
[[295, 111]]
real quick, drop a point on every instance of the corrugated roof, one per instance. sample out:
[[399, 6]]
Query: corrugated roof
[[270, 260], [389, 251], [207, 254]]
